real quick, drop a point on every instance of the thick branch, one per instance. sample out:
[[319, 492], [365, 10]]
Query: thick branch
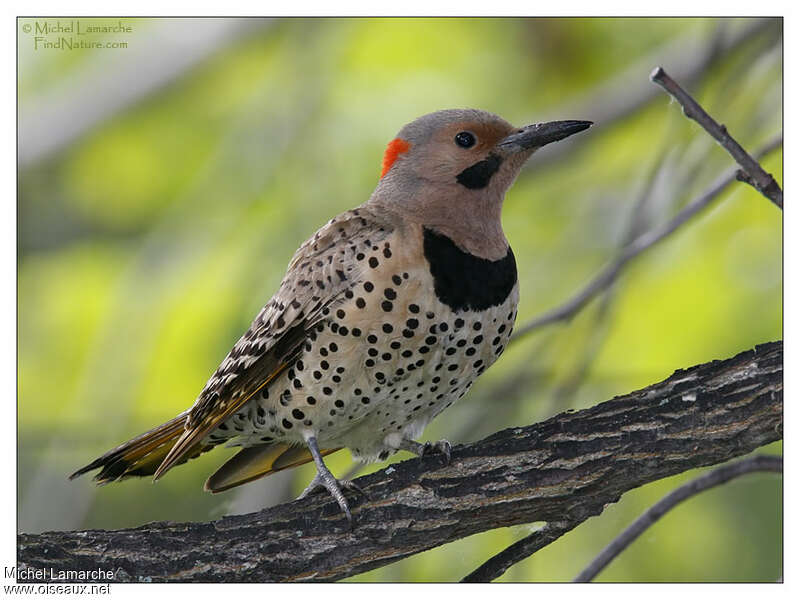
[[755, 175], [567, 468]]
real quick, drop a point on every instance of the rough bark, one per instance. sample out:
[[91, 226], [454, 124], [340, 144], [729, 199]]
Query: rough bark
[[567, 468]]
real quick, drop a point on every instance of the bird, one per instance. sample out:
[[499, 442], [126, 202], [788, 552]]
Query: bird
[[386, 316]]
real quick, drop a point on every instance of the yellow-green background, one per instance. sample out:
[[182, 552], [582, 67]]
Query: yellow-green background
[[147, 245]]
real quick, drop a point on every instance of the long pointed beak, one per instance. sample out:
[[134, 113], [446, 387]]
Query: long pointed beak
[[541, 134]]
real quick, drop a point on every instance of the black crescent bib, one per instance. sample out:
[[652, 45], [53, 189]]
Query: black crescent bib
[[464, 281]]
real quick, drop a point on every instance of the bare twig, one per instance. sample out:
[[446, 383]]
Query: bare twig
[[636, 226], [623, 94], [654, 513], [501, 562], [757, 177], [611, 272], [519, 551]]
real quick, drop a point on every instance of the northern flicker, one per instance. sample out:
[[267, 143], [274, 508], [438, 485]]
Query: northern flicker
[[386, 316]]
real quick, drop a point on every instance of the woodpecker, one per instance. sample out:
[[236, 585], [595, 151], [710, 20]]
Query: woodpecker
[[385, 317]]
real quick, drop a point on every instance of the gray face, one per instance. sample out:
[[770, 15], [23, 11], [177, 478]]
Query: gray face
[[449, 171], [470, 146], [445, 144]]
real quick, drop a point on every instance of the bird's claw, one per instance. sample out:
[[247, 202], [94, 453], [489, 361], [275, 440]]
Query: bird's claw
[[441, 447], [334, 487]]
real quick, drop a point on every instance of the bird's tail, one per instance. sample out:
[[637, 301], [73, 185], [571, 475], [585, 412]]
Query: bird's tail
[[142, 455], [255, 462]]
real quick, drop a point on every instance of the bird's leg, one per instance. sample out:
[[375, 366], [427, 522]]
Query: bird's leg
[[441, 447], [324, 478]]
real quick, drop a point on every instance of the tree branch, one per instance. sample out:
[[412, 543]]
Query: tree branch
[[567, 468], [501, 562], [624, 94], [519, 551], [612, 270], [704, 482], [756, 176]]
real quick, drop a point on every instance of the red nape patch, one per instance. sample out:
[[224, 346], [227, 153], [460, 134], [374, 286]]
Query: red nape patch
[[395, 148]]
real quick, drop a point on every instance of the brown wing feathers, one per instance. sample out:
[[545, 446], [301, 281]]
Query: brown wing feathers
[[270, 346], [227, 407]]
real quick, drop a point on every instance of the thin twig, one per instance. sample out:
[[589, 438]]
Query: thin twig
[[623, 94], [654, 513], [758, 177], [611, 272], [501, 562], [637, 225]]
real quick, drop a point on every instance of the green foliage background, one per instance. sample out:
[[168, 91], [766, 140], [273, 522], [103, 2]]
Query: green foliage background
[[147, 245]]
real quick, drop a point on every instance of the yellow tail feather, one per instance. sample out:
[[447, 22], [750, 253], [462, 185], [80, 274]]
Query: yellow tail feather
[[256, 462]]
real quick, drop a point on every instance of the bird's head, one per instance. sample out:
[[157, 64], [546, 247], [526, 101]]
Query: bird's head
[[450, 169]]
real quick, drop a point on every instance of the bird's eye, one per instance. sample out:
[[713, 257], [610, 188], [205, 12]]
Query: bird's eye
[[465, 139]]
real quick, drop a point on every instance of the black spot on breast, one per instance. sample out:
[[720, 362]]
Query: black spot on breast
[[478, 175], [463, 281]]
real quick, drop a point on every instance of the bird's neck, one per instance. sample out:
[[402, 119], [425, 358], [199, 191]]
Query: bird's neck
[[482, 239], [475, 228]]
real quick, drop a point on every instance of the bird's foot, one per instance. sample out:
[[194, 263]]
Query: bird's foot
[[441, 447], [325, 479], [335, 488]]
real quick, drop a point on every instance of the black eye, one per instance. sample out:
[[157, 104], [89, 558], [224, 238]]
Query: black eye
[[465, 139]]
